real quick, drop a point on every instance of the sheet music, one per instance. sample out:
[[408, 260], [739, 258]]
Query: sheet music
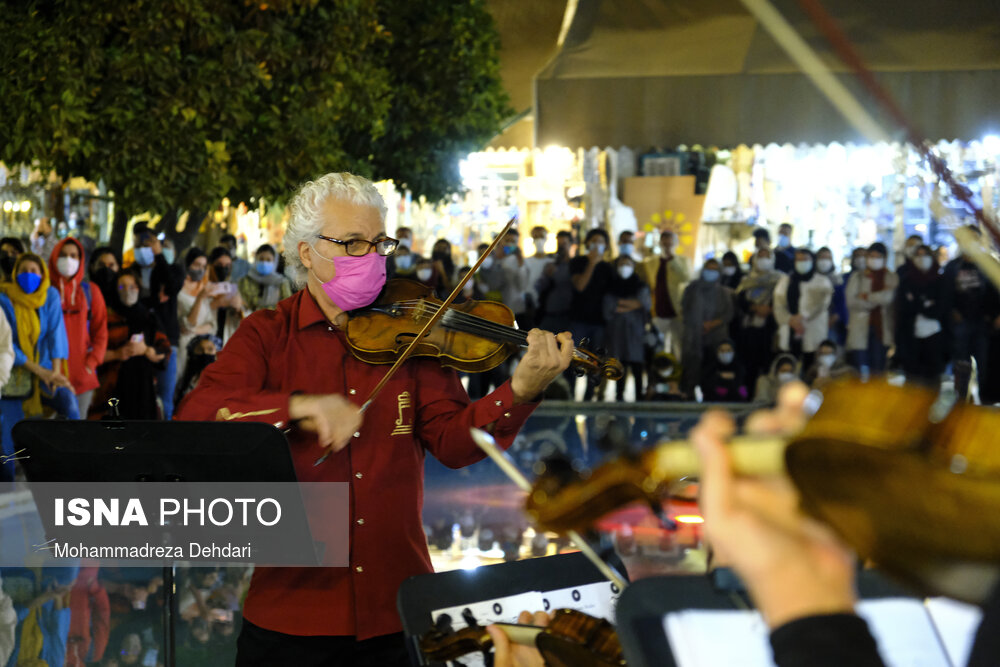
[[598, 599], [498, 610], [694, 636], [956, 623], [902, 627], [904, 632]]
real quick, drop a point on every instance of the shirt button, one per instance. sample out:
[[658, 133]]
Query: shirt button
[[359, 569], [357, 434], [352, 392], [279, 424], [358, 475], [361, 522], [506, 414], [498, 403]]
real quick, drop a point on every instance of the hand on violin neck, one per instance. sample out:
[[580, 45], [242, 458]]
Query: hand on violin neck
[[331, 417], [547, 357], [508, 654], [792, 565]]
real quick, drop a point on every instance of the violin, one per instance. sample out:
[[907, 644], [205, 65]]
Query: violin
[[572, 639], [912, 490], [472, 336]]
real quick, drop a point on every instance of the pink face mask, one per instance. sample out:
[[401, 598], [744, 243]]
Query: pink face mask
[[357, 282]]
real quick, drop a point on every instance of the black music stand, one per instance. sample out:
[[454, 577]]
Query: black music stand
[[154, 451], [643, 605], [420, 595]]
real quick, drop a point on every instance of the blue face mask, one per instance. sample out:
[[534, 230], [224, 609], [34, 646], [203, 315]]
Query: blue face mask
[[144, 256], [711, 275], [169, 255], [29, 282], [404, 262], [265, 268]]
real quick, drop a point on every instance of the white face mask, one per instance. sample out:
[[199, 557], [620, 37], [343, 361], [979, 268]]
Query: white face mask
[[859, 263], [785, 377], [824, 265], [764, 263], [876, 264], [600, 247], [726, 357], [924, 262], [424, 274], [626, 271], [803, 266], [487, 263], [626, 248], [729, 270], [68, 266], [540, 246], [827, 359], [404, 243]]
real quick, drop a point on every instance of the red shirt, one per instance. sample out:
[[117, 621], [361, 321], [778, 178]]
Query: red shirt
[[423, 408]]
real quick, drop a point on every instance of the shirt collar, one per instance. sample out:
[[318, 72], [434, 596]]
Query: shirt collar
[[309, 312]]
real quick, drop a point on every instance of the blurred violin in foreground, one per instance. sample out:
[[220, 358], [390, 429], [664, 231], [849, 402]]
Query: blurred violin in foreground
[[915, 492]]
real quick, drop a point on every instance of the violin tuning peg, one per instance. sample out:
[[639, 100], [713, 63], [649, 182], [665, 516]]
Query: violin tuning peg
[[584, 342]]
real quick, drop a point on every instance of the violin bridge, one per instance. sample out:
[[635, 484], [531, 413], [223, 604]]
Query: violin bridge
[[419, 310]]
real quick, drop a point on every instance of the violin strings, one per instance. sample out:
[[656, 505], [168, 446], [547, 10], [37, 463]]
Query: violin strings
[[479, 324], [475, 324]]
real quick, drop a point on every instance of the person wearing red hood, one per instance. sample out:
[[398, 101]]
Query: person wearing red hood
[[86, 318]]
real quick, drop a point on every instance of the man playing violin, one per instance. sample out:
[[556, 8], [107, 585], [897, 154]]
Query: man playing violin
[[292, 367]]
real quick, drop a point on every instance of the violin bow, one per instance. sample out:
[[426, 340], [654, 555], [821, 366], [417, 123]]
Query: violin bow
[[500, 457], [852, 110], [442, 309]]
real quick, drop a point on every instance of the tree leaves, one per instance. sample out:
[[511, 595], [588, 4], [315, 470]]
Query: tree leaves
[[176, 103]]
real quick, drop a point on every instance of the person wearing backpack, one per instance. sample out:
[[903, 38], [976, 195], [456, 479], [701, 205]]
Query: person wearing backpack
[[85, 316]]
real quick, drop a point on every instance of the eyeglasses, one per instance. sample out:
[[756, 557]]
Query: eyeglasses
[[360, 247]]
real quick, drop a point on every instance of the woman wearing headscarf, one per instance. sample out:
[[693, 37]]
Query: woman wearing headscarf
[[801, 306], [838, 302], [732, 274], [922, 306], [755, 310], [726, 380], [104, 267], [85, 317], [201, 353], [194, 305], [137, 348], [626, 307], [444, 265], [870, 296], [784, 369], [707, 309], [262, 286], [32, 308]]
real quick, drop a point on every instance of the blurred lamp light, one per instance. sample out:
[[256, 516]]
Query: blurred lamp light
[[26, 206], [689, 518], [991, 143], [8, 205]]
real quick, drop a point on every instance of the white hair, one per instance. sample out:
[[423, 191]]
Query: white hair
[[305, 222]]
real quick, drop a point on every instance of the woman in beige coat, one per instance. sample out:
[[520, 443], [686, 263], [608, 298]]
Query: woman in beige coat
[[801, 302], [870, 296]]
